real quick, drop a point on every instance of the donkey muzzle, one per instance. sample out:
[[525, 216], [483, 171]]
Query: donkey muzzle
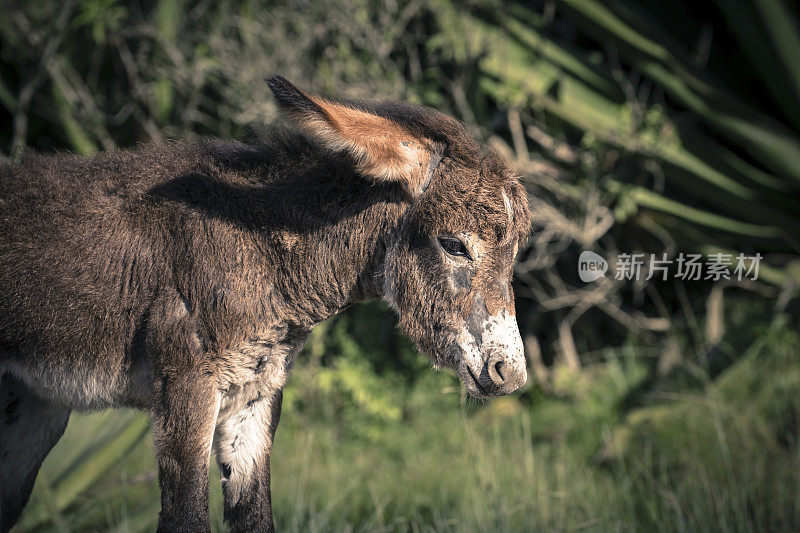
[[505, 376]]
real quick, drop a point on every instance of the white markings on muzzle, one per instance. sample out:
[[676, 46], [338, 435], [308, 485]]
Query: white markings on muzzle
[[502, 333], [498, 336]]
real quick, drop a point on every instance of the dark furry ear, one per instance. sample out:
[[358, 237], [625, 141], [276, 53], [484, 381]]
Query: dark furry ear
[[292, 100], [384, 149]]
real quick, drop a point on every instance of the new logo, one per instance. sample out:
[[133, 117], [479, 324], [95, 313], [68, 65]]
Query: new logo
[[591, 266]]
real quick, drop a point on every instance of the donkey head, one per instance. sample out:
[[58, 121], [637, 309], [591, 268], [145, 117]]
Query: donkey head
[[448, 266]]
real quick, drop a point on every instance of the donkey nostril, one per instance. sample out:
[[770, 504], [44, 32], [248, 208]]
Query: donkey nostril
[[498, 367], [497, 370]]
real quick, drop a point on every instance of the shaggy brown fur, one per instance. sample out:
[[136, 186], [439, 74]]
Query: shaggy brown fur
[[183, 278]]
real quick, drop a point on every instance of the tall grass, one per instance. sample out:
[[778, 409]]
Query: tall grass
[[722, 456]]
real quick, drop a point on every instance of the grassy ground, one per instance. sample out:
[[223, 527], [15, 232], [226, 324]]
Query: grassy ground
[[722, 455]]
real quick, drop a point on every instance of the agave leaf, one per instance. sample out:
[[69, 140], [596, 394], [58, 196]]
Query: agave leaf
[[571, 60], [519, 73], [744, 23], [167, 19], [84, 474], [653, 200], [783, 30], [70, 473], [80, 140], [771, 143]]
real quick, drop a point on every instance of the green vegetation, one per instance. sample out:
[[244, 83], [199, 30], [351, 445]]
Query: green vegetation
[[637, 126], [719, 454]]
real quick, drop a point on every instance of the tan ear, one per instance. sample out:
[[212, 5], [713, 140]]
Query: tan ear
[[384, 149]]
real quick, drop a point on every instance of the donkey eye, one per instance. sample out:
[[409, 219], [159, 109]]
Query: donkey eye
[[454, 246]]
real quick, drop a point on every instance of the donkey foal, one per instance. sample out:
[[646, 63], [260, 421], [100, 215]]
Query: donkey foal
[[183, 279]]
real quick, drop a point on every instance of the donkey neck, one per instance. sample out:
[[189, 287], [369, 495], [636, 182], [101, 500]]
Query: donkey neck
[[339, 258], [320, 227]]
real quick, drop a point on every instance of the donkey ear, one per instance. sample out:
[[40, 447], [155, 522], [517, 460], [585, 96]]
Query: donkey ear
[[385, 150]]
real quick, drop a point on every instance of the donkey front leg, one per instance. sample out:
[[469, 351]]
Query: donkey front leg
[[184, 410], [183, 424], [243, 443]]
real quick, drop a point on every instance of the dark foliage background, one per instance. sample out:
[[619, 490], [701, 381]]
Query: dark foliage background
[[637, 126]]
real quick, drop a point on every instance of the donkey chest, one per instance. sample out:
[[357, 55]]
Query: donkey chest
[[256, 368]]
